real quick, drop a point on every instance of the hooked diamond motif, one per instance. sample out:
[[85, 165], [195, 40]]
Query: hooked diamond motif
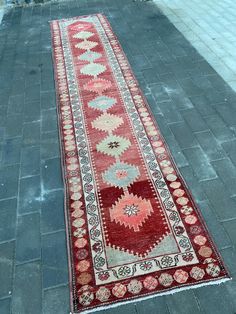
[[89, 56], [131, 211], [107, 122], [121, 174], [102, 103], [83, 35], [86, 45], [113, 145], [93, 69]]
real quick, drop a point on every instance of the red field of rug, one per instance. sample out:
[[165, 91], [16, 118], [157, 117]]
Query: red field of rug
[[133, 229]]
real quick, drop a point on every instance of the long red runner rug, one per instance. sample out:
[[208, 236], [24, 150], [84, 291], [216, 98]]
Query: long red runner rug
[[133, 229]]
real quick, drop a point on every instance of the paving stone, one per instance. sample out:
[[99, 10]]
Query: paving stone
[[231, 230], [48, 100], [177, 303], [230, 148], [49, 120], [47, 81], [9, 181], [50, 145], [28, 238], [202, 105], [210, 146], [54, 259], [3, 115], [154, 305], [4, 94], [150, 76], [226, 171], [32, 75], [16, 103], [125, 309], [231, 288], [229, 257], [170, 83], [159, 93], [32, 93], [31, 111], [178, 71], [51, 174], [183, 135], [216, 98], [27, 285], [2, 131], [194, 120], [219, 128], [227, 112], [144, 86], [223, 204], [179, 157], [215, 227], [214, 299], [17, 86], [140, 62], [162, 124], [30, 161], [6, 265], [55, 299], [153, 104], [192, 183], [204, 68], [46, 59], [11, 151], [31, 134], [14, 124], [200, 164], [29, 195], [202, 82], [5, 306], [52, 214], [218, 82], [7, 219], [170, 112], [190, 88], [160, 66]]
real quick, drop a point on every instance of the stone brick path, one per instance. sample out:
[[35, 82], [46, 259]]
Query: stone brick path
[[210, 26], [194, 107]]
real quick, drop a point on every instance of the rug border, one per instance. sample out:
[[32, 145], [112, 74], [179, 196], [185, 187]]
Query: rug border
[[62, 161], [152, 296], [169, 291]]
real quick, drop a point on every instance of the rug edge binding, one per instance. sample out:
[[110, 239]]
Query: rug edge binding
[[170, 292]]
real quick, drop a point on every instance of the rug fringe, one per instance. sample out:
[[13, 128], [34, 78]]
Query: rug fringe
[[170, 292]]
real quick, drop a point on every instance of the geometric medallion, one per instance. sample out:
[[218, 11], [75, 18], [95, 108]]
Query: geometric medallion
[[107, 122], [86, 45], [89, 56], [93, 69], [121, 174], [102, 103], [131, 211], [113, 145], [83, 35], [97, 85]]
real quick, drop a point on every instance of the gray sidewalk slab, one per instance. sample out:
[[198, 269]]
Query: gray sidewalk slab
[[210, 26], [195, 110]]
